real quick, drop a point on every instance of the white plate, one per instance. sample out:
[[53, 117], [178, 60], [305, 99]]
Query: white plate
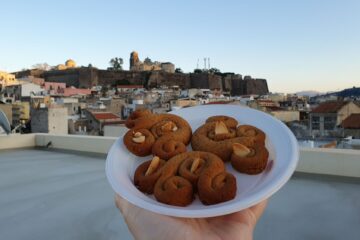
[[251, 189]]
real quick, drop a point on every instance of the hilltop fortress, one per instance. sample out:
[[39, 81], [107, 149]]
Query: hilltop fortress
[[159, 75]]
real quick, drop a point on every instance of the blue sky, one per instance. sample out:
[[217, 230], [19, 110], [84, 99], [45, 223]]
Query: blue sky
[[295, 45]]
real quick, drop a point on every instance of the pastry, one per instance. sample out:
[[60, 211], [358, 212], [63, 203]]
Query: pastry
[[221, 136], [146, 176], [249, 160], [164, 135], [189, 173]]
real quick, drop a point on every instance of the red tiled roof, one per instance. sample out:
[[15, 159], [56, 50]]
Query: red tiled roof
[[352, 121], [329, 107], [219, 102], [130, 86], [104, 115], [274, 108]]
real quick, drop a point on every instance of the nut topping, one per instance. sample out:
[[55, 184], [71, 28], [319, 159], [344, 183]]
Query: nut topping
[[220, 128], [153, 165], [240, 150]]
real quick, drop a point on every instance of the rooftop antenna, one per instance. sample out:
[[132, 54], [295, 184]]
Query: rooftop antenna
[[208, 63], [204, 63], [4, 122]]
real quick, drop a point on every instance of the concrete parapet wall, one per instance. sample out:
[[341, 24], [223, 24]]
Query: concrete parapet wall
[[17, 141], [339, 162], [92, 144]]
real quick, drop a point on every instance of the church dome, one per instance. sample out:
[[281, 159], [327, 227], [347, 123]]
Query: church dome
[[70, 63], [61, 67]]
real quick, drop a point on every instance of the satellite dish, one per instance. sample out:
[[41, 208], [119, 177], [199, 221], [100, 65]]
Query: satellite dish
[[4, 122]]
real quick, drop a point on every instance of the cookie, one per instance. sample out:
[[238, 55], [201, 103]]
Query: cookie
[[159, 129], [249, 160], [187, 173]]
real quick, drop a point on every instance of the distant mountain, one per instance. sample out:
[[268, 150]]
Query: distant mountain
[[349, 92], [310, 93]]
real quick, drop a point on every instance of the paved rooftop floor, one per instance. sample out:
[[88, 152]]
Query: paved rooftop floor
[[59, 195]]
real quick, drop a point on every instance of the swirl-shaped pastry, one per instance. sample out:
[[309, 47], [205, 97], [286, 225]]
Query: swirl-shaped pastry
[[250, 131], [222, 147], [166, 148], [159, 129], [139, 142], [185, 173], [219, 133], [129, 123], [249, 160], [145, 179], [229, 121]]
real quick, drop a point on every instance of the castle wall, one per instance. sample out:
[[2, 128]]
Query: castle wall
[[88, 77]]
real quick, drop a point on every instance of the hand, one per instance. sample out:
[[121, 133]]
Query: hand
[[144, 224]]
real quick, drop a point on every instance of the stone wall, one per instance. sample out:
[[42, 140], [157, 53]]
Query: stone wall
[[85, 77], [159, 78]]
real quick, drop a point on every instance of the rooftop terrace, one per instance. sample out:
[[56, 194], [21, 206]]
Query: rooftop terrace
[[59, 193]]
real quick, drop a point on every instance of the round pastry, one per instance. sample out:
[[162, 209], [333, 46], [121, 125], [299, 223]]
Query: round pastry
[[218, 138], [250, 131], [185, 173], [249, 160], [166, 148], [145, 176], [154, 128], [139, 142], [229, 121], [129, 123]]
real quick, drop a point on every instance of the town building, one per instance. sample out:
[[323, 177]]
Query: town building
[[324, 120], [52, 120], [7, 79], [20, 113], [97, 121], [7, 109], [351, 125]]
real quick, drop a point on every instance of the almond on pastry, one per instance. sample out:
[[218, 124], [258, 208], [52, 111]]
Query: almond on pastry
[[138, 137], [220, 128], [240, 150], [153, 165]]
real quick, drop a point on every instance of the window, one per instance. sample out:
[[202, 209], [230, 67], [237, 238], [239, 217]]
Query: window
[[329, 123], [315, 122]]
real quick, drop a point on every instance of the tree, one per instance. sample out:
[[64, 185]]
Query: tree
[[104, 91], [42, 66], [214, 70], [179, 70], [116, 64], [197, 70], [148, 61]]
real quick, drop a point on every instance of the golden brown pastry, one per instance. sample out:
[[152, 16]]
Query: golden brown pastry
[[129, 123], [145, 176], [139, 141], [204, 139], [189, 172], [221, 135], [166, 148], [156, 129], [249, 160]]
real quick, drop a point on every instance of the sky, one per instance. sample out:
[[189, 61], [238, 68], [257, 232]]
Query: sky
[[295, 45]]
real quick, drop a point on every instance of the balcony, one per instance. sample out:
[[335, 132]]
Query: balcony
[[62, 192]]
